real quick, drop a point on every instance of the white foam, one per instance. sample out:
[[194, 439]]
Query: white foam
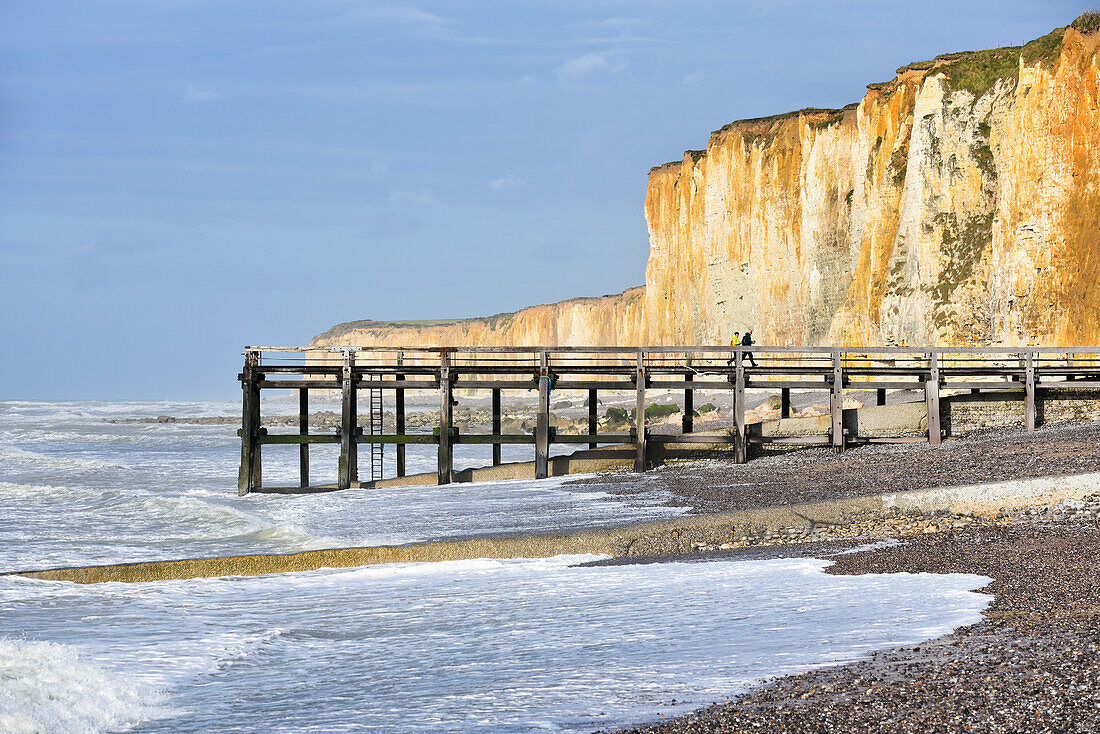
[[48, 688]]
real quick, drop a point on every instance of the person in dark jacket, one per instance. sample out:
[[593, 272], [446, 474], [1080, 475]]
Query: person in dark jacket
[[746, 341]]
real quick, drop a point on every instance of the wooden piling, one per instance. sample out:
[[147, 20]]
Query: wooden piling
[[932, 398], [445, 457], [542, 420], [303, 430], [399, 416], [249, 475], [836, 403], [688, 424], [496, 425], [880, 396], [639, 414], [348, 471], [593, 414], [740, 445], [785, 403], [1029, 392]]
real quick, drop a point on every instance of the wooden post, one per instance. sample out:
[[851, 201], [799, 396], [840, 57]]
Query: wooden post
[[349, 426], [932, 398], [836, 403], [399, 417], [785, 402], [880, 396], [445, 458], [740, 447], [248, 477], [496, 425], [542, 419], [593, 414], [688, 424], [303, 429], [1029, 392], [639, 415]]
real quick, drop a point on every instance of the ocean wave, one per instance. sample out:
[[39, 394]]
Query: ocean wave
[[48, 687], [11, 457]]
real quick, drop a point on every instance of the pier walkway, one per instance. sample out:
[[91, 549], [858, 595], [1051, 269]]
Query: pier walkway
[[445, 371]]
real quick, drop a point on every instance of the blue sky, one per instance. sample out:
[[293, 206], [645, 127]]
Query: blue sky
[[181, 178]]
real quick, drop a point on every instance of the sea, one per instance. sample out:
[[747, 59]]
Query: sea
[[524, 645]]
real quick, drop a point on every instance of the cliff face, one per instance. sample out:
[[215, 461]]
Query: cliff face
[[958, 204]]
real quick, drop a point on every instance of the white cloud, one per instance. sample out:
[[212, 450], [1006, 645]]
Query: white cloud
[[418, 197], [581, 67], [506, 183], [196, 94], [394, 14]]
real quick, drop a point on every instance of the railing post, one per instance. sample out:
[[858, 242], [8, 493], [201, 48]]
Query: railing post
[[740, 445], [496, 425], [932, 398], [249, 475], [836, 403], [399, 416], [542, 419], [639, 414], [593, 414], [445, 459], [348, 473], [785, 402], [880, 396], [1029, 391], [688, 424], [303, 429]]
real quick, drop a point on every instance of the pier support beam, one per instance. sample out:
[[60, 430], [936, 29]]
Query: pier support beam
[[303, 429], [249, 475], [593, 414], [399, 416], [880, 396], [639, 414], [740, 446], [836, 403], [445, 458], [932, 398], [348, 473], [496, 425], [785, 403], [688, 424], [1029, 392], [542, 420]]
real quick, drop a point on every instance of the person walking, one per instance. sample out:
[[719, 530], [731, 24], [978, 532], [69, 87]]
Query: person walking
[[734, 342], [746, 341]]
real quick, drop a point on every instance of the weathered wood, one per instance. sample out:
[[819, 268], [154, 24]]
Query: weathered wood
[[496, 426], [399, 416], [932, 398], [639, 415], [542, 420], [741, 448], [1029, 392], [445, 455], [348, 472], [836, 403], [785, 403], [494, 440], [593, 414], [880, 396], [303, 430], [290, 439], [688, 423], [248, 477]]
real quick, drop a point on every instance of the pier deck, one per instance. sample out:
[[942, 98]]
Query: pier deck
[[445, 371]]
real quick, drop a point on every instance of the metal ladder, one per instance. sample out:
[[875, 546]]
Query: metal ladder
[[376, 429]]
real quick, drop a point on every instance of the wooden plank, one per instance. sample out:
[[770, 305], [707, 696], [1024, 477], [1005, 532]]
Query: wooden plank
[[290, 439], [741, 449], [542, 420], [932, 398], [496, 384], [785, 403], [795, 440], [348, 472], [593, 385], [334, 384], [593, 414], [303, 429], [445, 457], [700, 438], [399, 416], [836, 403], [496, 426], [687, 425], [1029, 392], [639, 415], [401, 439], [495, 440], [599, 438]]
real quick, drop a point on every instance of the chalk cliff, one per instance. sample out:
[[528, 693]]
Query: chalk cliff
[[958, 203]]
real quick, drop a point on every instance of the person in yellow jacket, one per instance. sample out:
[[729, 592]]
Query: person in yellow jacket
[[734, 342]]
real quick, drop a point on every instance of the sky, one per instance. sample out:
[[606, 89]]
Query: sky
[[181, 178]]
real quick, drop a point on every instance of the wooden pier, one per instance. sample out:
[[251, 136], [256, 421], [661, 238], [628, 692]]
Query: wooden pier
[[448, 372]]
